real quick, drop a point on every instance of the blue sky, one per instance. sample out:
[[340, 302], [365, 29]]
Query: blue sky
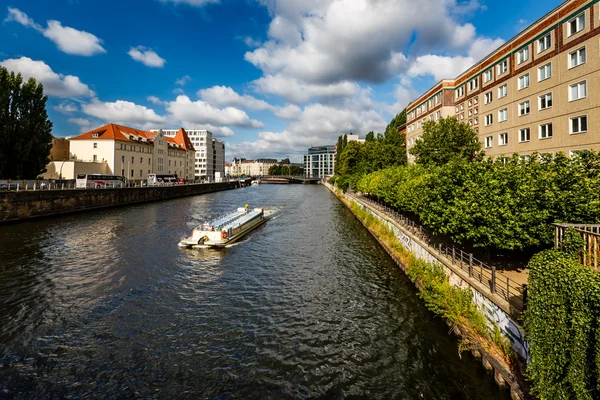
[[270, 77]]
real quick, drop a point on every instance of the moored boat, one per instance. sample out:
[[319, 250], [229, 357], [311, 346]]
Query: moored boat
[[225, 230]]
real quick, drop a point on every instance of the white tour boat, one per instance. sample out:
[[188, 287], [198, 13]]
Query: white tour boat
[[225, 230]]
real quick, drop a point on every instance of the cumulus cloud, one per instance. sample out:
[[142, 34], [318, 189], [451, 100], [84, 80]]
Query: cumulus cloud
[[83, 124], [440, 67], [68, 40], [146, 56], [296, 91], [183, 80], [289, 112], [66, 107], [201, 112], [55, 85], [226, 96], [155, 100], [123, 112]]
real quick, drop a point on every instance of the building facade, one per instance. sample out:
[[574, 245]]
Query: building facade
[[539, 92], [319, 162], [218, 149], [258, 167], [60, 149], [134, 153]]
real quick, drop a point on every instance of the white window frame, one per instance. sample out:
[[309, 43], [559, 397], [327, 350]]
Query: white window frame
[[579, 24], [521, 134], [522, 105], [544, 43], [545, 96], [460, 91], [547, 68], [501, 113], [579, 60], [487, 75], [500, 91], [523, 55], [546, 125], [491, 97], [579, 117], [503, 67], [523, 81], [503, 139], [489, 119], [489, 142], [578, 85]]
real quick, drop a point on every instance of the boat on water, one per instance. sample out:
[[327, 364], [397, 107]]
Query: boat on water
[[255, 183], [225, 230]]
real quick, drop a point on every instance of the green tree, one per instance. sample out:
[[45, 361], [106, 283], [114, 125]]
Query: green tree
[[25, 131], [444, 141], [370, 137], [396, 123]]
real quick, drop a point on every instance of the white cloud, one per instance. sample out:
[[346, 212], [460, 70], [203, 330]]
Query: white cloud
[[55, 85], [289, 112], [183, 80], [440, 67], [123, 112], [83, 124], [71, 41], [146, 56], [481, 47], [193, 3], [200, 112], [217, 131], [226, 96], [297, 91], [251, 42], [66, 107], [155, 100], [68, 40], [178, 91]]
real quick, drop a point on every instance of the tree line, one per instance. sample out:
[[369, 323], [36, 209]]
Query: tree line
[[25, 130], [285, 169]]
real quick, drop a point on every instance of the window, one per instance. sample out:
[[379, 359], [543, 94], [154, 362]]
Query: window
[[473, 84], [470, 113], [488, 97], [95, 157], [524, 135], [544, 43], [476, 121], [489, 119], [437, 115], [141, 160], [470, 103], [502, 67], [523, 55], [578, 91], [475, 110], [503, 139], [579, 124], [122, 159], [132, 173], [502, 91], [487, 75], [489, 142], [524, 108], [462, 107], [430, 103], [578, 153], [577, 57], [523, 81], [544, 72], [456, 109], [576, 24], [460, 91], [437, 98], [545, 101], [503, 115], [545, 131]]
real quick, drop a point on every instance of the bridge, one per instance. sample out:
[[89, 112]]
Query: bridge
[[282, 179]]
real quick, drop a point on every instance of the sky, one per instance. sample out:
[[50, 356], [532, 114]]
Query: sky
[[269, 77]]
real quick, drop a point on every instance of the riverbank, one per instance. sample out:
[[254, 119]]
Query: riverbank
[[485, 342], [23, 205]]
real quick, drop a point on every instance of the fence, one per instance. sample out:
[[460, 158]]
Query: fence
[[591, 237], [495, 282]]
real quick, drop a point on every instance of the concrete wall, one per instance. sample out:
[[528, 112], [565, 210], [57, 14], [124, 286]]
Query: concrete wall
[[70, 169], [22, 205]]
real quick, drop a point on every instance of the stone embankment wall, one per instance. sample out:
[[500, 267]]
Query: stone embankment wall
[[22, 205]]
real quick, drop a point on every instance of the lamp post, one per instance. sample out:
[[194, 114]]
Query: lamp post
[[60, 173]]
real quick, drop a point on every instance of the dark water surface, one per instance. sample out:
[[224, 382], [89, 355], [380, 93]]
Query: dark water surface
[[105, 305]]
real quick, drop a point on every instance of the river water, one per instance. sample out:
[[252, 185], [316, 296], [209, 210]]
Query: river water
[[105, 305]]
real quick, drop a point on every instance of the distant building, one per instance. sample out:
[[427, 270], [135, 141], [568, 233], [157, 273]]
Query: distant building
[[354, 138], [134, 153], [258, 167], [227, 169], [207, 150], [319, 162], [60, 149]]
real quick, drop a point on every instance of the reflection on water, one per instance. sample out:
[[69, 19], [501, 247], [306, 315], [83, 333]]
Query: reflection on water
[[105, 304]]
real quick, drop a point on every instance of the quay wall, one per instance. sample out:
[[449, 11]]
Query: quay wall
[[492, 308], [23, 205]]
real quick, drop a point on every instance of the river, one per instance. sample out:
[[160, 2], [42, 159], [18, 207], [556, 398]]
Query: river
[[104, 304]]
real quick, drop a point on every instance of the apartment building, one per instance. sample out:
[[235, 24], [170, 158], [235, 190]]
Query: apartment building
[[539, 92], [206, 147], [134, 153], [320, 161]]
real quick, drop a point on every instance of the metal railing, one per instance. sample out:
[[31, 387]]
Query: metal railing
[[487, 275], [590, 233]]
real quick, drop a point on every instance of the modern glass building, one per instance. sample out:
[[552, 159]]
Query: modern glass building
[[319, 161]]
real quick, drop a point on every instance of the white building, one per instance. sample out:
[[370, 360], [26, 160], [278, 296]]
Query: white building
[[134, 153], [210, 152], [319, 162], [259, 167]]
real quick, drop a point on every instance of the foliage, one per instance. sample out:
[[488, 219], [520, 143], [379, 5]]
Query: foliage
[[562, 323], [285, 169], [502, 204], [25, 131], [444, 141]]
